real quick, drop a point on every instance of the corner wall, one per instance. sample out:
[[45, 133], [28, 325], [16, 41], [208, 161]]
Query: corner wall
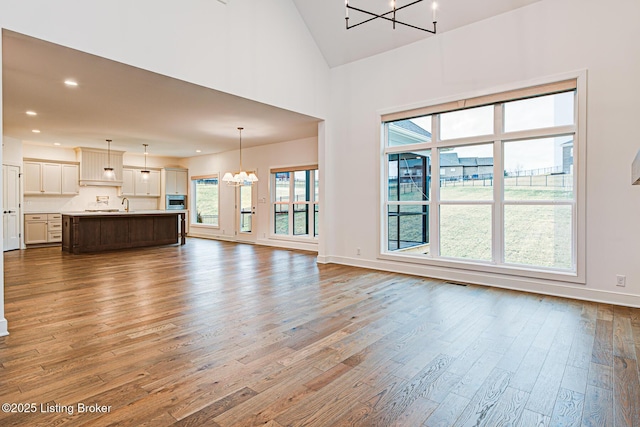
[[546, 38]]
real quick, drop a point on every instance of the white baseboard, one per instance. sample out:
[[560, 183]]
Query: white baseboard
[[288, 244], [538, 286], [3, 327], [212, 237]]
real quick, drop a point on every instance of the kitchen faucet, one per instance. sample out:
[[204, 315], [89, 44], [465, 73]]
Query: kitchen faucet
[[126, 208]]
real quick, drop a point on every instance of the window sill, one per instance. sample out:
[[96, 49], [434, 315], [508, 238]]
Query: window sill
[[481, 267]]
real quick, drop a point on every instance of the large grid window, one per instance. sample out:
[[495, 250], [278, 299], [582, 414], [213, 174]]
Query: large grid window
[[205, 201], [492, 183], [295, 201]]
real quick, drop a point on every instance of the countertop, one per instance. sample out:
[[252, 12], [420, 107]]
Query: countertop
[[123, 213]]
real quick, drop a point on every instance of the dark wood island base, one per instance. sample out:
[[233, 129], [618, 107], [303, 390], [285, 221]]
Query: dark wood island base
[[84, 232]]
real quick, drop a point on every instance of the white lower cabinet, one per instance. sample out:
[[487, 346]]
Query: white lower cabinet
[[42, 228]]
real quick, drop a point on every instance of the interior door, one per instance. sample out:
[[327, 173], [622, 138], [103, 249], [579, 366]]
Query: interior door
[[246, 213], [11, 207]]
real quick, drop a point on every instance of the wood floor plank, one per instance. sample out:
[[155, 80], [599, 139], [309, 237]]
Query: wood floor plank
[[533, 419], [483, 405], [206, 415], [598, 407], [447, 412], [224, 334], [392, 406], [626, 392], [568, 409], [603, 343]]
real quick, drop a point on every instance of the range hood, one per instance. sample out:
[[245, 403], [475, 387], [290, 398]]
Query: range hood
[[92, 164]]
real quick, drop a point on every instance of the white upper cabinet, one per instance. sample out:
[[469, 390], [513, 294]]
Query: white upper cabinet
[[176, 181], [134, 185], [128, 182], [70, 179], [149, 187], [50, 178]]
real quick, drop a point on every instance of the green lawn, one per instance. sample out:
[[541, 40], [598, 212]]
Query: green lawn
[[538, 235]]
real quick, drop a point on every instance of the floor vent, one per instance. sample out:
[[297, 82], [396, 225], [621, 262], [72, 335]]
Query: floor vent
[[455, 283]]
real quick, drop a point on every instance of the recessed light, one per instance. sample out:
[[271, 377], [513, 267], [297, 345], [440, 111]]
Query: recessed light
[[71, 83], [36, 131], [31, 113], [198, 151], [56, 143]]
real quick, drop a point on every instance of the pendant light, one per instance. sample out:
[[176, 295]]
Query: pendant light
[[241, 178], [144, 174], [108, 171]]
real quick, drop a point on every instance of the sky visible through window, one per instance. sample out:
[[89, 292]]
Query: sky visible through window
[[532, 113]]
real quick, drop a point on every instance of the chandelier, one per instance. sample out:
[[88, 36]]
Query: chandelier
[[390, 15], [241, 178]]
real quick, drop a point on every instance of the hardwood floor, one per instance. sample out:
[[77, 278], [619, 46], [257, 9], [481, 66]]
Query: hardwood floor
[[221, 334]]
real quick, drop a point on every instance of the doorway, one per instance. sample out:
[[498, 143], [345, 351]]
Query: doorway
[[10, 207], [245, 213]]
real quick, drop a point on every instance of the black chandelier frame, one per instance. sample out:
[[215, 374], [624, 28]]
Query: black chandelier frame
[[385, 16]]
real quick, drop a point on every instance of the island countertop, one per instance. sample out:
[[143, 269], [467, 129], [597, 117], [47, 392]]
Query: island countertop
[[123, 213], [103, 231]]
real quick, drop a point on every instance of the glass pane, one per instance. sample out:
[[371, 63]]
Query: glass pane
[[300, 219], [206, 198], [539, 169], [465, 123], [282, 187], [301, 189], [409, 131], [466, 173], [408, 229], [315, 219], [540, 236], [541, 112], [410, 176], [281, 218], [245, 208], [465, 231]]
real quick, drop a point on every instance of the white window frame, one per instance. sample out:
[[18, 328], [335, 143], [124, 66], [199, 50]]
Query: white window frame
[[312, 236], [578, 130], [194, 201]]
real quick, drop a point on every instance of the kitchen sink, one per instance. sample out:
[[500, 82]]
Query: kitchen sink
[[102, 210]]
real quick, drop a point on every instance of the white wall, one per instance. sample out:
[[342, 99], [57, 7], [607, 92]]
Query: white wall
[[260, 159], [547, 38], [259, 50], [11, 151]]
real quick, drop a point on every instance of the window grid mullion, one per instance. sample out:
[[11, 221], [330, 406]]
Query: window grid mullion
[[434, 210], [498, 187]]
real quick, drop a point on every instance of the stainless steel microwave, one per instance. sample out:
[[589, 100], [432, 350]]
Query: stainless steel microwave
[[175, 201]]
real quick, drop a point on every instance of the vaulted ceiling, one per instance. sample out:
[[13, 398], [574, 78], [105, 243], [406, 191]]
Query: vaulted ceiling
[[132, 106]]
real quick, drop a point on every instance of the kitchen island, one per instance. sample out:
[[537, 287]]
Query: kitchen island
[[104, 231]]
